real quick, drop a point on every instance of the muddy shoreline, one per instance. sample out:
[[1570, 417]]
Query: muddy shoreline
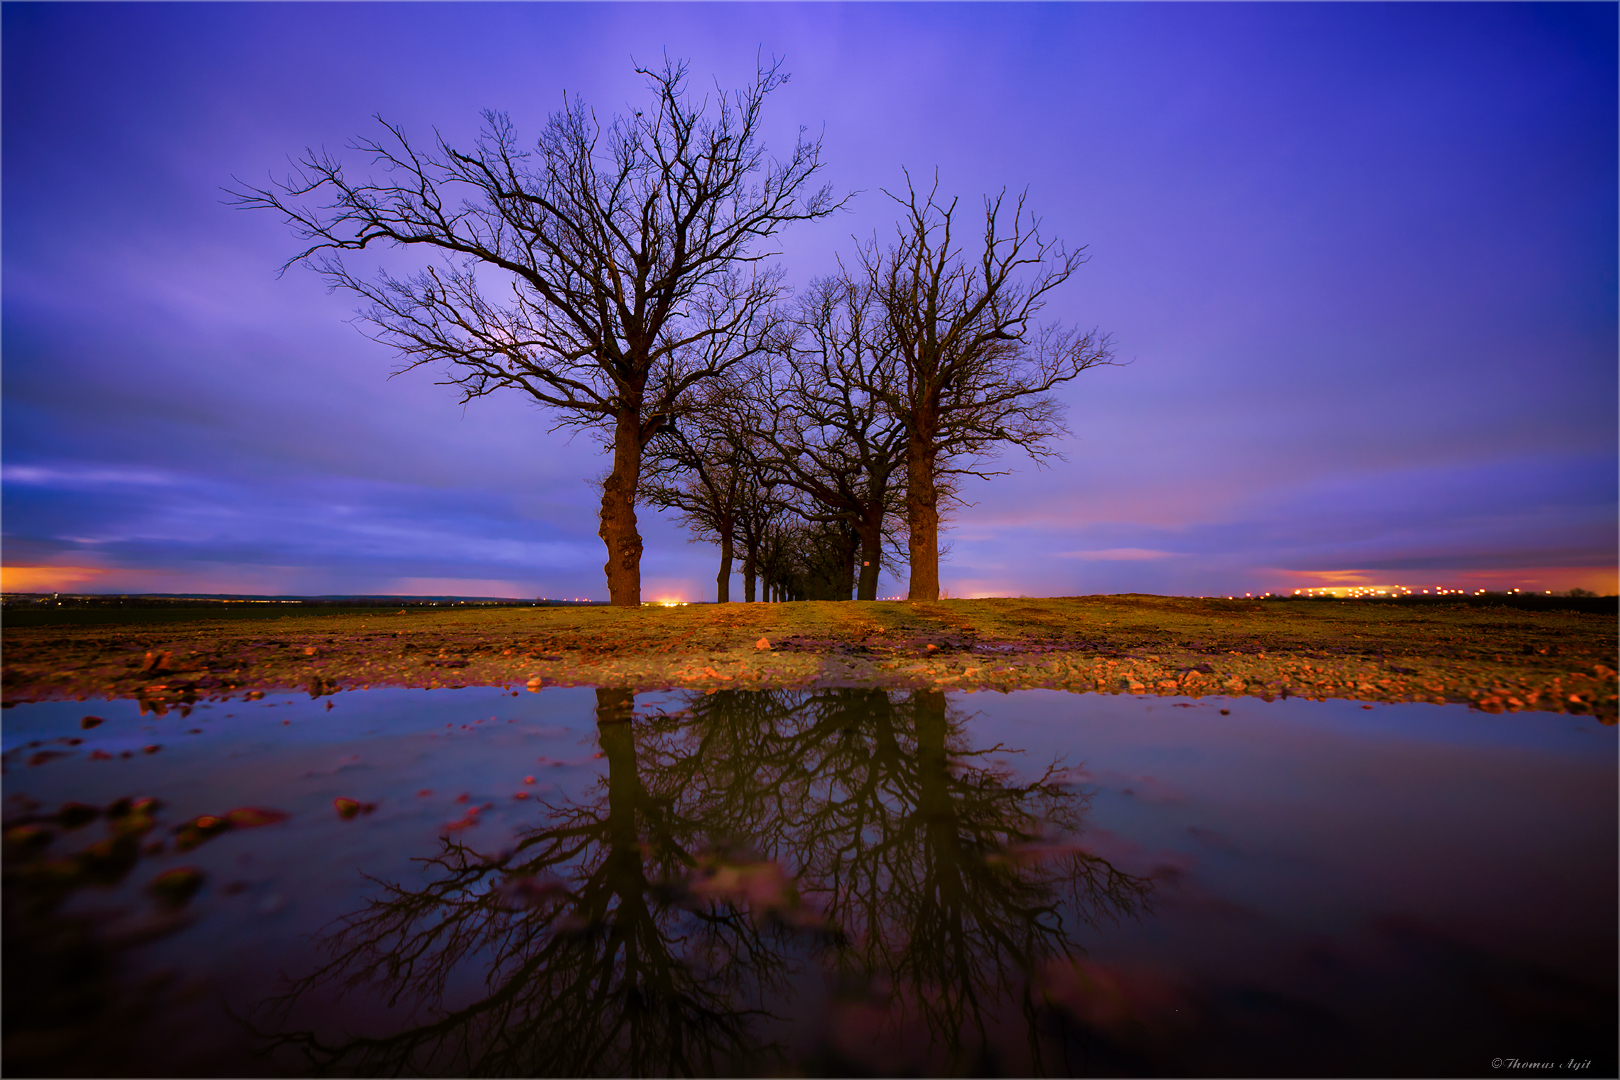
[[1496, 659]]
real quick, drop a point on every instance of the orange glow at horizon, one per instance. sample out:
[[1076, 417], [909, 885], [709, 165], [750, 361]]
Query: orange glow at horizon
[[47, 578], [1603, 580]]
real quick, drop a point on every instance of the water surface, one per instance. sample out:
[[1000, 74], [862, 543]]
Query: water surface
[[580, 882]]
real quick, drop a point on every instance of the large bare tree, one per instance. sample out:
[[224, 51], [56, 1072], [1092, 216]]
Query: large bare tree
[[975, 370], [605, 271]]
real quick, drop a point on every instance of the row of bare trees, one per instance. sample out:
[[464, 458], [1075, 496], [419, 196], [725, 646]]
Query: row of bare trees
[[615, 274]]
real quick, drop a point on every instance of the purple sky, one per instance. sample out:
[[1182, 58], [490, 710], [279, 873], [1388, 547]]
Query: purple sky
[[1362, 259]]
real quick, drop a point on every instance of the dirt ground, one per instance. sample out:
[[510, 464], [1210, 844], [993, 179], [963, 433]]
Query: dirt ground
[[1498, 659]]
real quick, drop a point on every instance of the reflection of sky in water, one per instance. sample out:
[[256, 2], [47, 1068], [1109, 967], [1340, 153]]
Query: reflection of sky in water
[[1317, 815], [1387, 869]]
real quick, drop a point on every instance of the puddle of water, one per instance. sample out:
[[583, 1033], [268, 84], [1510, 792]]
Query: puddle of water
[[828, 882]]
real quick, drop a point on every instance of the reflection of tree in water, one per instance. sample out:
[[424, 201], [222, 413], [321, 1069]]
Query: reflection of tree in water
[[948, 878], [937, 867], [598, 960]]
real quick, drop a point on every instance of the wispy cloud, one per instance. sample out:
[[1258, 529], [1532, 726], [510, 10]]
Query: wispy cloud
[[1120, 554], [94, 476]]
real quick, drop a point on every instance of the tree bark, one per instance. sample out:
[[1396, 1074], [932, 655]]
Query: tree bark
[[870, 556], [723, 579], [847, 568], [922, 513], [750, 572], [933, 761], [618, 531]]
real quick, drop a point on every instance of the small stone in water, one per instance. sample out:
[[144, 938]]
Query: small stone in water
[[174, 887], [251, 817], [350, 808], [74, 814]]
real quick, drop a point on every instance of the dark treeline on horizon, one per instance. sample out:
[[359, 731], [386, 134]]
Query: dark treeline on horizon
[[223, 599], [1576, 600], [1581, 600]]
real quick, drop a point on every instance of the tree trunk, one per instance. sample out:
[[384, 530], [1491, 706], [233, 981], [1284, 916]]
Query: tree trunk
[[723, 579], [750, 563], [625, 869], [922, 512], [848, 556], [618, 530], [933, 761], [869, 555]]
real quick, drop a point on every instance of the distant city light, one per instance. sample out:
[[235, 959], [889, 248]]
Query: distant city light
[[1355, 591]]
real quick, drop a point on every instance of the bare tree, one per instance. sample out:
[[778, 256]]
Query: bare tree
[[823, 430], [761, 518], [704, 469], [975, 370], [605, 272]]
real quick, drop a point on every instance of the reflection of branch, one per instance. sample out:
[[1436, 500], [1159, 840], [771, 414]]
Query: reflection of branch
[[596, 979], [597, 961]]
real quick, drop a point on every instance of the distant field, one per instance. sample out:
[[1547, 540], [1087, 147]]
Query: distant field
[[148, 616], [1498, 658], [110, 611]]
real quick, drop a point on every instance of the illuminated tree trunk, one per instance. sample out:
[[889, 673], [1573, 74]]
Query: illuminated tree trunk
[[618, 529], [723, 579], [870, 557], [922, 513]]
